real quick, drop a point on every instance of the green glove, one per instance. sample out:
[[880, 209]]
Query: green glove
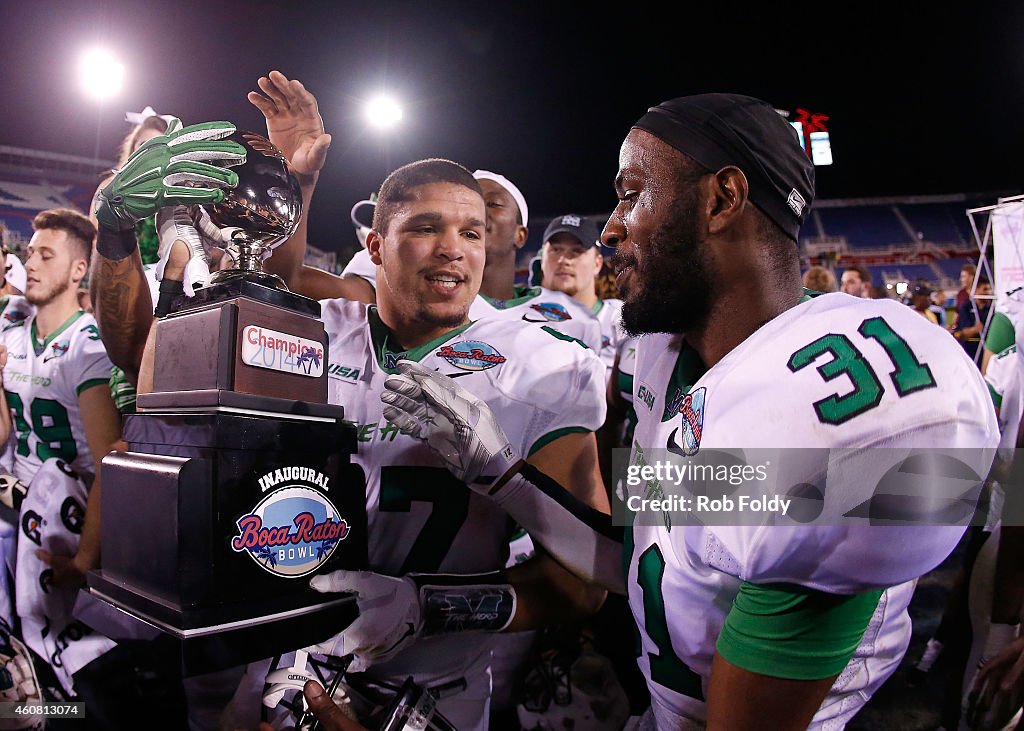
[[167, 171]]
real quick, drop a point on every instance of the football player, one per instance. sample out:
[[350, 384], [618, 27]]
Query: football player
[[428, 246], [570, 260], [64, 422], [786, 622]]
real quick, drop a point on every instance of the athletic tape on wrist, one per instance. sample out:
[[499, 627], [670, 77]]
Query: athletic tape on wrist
[[116, 245], [169, 289]]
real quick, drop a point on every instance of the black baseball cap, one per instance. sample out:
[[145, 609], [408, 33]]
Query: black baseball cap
[[921, 288], [584, 229], [718, 130]]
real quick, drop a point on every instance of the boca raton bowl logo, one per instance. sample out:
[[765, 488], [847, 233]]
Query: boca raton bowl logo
[[685, 438], [471, 355], [550, 311], [57, 350], [291, 532]]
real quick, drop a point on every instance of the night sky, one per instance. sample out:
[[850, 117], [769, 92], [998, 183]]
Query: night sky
[[921, 99]]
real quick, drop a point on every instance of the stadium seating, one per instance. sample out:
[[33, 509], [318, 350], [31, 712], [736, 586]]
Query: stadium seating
[[864, 226], [941, 223]]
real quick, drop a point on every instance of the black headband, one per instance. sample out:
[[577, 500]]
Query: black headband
[[718, 130]]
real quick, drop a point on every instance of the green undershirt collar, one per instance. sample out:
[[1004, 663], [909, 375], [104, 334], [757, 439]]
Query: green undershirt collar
[[37, 346], [388, 351]]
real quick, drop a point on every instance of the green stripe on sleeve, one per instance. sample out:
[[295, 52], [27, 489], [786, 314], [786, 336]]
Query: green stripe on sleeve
[[789, 631], [552, 436], [90, 383], [997, 398], [1000, 335], [626, 384]]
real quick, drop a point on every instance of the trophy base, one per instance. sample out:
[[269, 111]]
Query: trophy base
[[255, 285], [215, 520], [243, 336], [221, 401], [212, 640]]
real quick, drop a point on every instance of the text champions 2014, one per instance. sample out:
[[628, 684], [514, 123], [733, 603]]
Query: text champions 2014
[[265, 348]]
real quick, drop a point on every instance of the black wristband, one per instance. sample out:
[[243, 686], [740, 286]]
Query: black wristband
[[115, 245], [169, 291]]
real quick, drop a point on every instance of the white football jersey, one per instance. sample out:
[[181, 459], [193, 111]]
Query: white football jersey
[[547, 308], [43, 379], [539, 384], [835, 372]]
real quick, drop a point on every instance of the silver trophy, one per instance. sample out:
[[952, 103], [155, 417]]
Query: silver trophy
[[259, 214]]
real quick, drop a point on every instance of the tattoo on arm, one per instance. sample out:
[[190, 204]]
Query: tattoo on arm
[[123, 309]]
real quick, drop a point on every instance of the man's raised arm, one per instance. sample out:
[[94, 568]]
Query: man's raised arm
[[296, 128]]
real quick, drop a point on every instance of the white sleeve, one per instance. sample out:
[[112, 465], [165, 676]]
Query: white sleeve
[[561, 388], [91, 364]]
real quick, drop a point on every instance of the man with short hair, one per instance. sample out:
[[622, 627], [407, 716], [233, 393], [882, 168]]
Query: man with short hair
[[921, 301], [427, 244], [746, 621], [570, 260], [967, 274], [972, 317], [56, 387], [856, 280], [507, 217], [548, 306]]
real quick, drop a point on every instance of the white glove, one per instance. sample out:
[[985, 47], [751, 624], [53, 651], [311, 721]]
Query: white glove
[[192, 226], [457, 425], [390, 616]]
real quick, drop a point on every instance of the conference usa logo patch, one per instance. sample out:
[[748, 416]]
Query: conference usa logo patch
[[471, 355], [685, 438], [14, 318], [549, 311], [294, 529]]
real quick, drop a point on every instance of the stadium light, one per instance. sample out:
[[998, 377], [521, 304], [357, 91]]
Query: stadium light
[[101, 73], [383, 112], [901, 288]]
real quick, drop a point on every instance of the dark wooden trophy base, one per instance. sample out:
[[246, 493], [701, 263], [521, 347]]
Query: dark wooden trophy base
[[236, 488]]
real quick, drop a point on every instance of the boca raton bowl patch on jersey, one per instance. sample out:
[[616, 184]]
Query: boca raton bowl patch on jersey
[[685, 438], [57, 350], [549, 311], [471, 355], [294, 529]]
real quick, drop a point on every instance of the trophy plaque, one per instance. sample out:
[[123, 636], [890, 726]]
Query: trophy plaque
[[237, 485]]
